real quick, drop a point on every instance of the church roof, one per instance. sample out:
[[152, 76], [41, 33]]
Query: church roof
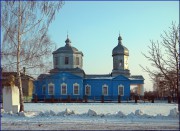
[[77, 69], [67, 48], [95, 76], [108, 76], [120, 49], [136, 77], [42, 76]]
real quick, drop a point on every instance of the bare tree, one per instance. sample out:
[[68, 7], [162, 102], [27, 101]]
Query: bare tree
[[164, 58], [24, 30]]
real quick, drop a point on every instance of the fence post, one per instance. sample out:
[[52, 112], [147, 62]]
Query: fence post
[[136, 97], [69, 98], [44, 98], [102, 99], [52, 99], [85, 98], [152, 98], [36, 98], [119, 98]]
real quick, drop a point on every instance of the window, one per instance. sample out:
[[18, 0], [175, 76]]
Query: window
[[77, 60], [88, 90], [121, 90], [120, 63], [44, 90], [76, 89], [56, 60], [51, 89], [105, 90], [66, 60], [63, 89]]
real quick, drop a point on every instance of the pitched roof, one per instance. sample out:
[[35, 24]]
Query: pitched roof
[[96, 76], [6, 74], [136, 77]]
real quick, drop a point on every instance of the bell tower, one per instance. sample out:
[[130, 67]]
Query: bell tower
[[120, 56]]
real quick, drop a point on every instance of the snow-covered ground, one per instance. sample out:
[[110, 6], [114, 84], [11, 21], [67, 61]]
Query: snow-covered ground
[[93, 116]]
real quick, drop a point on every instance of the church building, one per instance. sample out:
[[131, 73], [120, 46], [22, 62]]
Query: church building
[[68, 81]]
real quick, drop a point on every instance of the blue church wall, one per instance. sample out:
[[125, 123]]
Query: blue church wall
[[97, 88], [124, 82], [56, 80], [126, 88], [112, 84], [119, 85]]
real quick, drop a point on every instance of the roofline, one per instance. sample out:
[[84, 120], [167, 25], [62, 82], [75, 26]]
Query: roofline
[[22, 74]]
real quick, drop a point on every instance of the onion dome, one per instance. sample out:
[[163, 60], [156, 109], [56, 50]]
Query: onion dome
[[68, 48], [120, 49]]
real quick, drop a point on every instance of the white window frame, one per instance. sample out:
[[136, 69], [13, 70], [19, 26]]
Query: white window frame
[[103, 90], [63, 84], [89, 89], [43, 93], [50, 84], [75, 84], [121, 86]]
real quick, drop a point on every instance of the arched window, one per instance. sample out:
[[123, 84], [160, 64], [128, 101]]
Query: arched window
[[121, 90], [76, 89], [51, 89], [105, 90], [66, 60], [88, 90], [63, 89]]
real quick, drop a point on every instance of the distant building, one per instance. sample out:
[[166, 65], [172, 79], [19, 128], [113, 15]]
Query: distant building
[[27, 83], [138, 91], [67, 80]]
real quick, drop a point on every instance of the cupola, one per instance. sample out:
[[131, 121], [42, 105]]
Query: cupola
[[120, 49]]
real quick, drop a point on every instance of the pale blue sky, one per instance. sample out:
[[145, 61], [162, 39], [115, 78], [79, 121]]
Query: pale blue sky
[[93, 28]]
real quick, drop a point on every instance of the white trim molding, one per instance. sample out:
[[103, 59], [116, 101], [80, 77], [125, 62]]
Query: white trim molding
[[89, 90], [75, 84], [121, 86], [104, 86], [50, 84], [63, 84]]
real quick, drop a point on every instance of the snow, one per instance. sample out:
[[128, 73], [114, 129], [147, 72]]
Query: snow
[[158, 115], [138, 112], [92, 113]]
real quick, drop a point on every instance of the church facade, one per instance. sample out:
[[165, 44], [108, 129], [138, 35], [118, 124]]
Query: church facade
[[68, 81]]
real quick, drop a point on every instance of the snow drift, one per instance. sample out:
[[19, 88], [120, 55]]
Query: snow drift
[[174, 113]]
